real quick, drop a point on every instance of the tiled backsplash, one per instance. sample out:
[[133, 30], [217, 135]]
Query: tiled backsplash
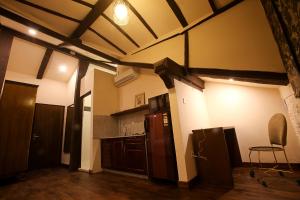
[[132, 124]]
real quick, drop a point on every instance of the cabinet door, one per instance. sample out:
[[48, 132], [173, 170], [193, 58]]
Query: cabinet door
[[118, 154], [135, 155], [106, 153]]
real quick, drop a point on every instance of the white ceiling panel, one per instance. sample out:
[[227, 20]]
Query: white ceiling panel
[[25, 57], [56, 60]]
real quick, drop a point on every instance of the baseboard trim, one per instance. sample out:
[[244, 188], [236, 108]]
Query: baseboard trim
[[190, 183], [295, 166]]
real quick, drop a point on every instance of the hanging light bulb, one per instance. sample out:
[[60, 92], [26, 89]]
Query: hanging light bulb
[[121, 13]]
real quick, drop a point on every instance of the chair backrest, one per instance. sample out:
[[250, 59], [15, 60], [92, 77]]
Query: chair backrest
[[278, 129]]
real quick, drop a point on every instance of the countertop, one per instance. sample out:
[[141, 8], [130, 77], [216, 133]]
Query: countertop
[[121, 136]]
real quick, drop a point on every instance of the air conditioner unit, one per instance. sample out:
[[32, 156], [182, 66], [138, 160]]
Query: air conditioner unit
[[125, 77]]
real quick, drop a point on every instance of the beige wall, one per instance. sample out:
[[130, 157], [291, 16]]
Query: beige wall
[[49, 91], [147, 82], [239, 38], [249, 109], [105, 102], [193, 115]]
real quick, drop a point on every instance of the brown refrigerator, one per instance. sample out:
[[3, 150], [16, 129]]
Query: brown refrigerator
[[160, 143]]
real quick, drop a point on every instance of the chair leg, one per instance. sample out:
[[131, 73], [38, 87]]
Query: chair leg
[[290, 167], [258, 153], [274, 155]]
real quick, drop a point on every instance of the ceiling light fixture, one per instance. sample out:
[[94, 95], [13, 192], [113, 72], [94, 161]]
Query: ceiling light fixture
[[62, 68], [121, 13], [32, 32]]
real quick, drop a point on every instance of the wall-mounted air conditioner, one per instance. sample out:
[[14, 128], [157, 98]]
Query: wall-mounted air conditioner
[[125, 77]]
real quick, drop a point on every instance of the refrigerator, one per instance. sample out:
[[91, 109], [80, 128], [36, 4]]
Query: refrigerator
[[159, 139]]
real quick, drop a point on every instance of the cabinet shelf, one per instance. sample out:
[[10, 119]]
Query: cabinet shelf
[[129, 111]]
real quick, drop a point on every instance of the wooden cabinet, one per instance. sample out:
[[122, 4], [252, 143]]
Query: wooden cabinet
[[135, 154], [124, 154]]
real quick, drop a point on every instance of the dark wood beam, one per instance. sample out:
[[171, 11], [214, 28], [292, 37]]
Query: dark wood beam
[[139, 16], [5, 44], [29, 23], [262, 77], [108, 41], [84, 3], [48, 10], [75, 153], [56, 48], [120, 29], [169, 70], [186, 51], [213, 5], [91, 17], [44, 63], [176, 10], [220, 11]]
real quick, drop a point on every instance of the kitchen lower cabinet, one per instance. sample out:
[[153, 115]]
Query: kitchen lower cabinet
[[126, 154]]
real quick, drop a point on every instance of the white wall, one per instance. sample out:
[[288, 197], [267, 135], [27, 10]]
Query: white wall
[[147, 82], [249, 109], [86, 144], [189, 112], [49, 91]]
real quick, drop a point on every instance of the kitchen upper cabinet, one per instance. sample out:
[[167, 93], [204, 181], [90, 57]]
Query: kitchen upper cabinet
[[124, 154]]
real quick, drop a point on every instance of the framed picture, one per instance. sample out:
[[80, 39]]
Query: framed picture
[[139, 99]]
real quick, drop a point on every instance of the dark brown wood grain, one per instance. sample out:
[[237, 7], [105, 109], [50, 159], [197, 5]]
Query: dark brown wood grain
[[46, 138], [91, 17], [75, 153], [49, 184], [129, 111], [44, 63], [177, 12], [5, 43], [68, 129], [16, 117]]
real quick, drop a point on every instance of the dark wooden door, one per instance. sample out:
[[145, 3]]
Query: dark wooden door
[[45, 148], [16, 117]]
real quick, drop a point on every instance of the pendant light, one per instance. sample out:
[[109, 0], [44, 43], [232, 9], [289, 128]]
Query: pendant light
[[121, 13]]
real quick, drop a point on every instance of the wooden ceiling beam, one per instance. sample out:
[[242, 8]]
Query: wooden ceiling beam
[[120, 29], [274, 78], [56, 48], [44, 63], [29, 23], [139, 16], [168, 70], [213, 5], [84, 3], [48, 10], [91, 17], [108, 41], [176, 10]]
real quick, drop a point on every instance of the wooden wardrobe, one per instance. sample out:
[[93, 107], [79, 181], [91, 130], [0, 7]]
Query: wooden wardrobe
[[16, 116]]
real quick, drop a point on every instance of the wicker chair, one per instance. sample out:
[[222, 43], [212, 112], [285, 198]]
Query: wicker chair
[[277, 135]]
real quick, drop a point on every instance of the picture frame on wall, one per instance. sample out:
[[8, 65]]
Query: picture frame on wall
[[139, 99]]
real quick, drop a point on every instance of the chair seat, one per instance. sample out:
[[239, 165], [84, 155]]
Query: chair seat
[[265, 148]]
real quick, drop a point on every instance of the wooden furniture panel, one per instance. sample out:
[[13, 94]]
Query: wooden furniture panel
[[16, 117], [106, 153], [213, 161], [135, 154], [160, 147], [68, 131], [46, 139], [124, 154]]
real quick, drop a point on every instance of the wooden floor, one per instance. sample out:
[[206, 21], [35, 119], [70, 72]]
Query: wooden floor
[[59, 184]]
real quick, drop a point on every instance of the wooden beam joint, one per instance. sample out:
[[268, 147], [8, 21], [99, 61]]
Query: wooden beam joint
[[169, 70]]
